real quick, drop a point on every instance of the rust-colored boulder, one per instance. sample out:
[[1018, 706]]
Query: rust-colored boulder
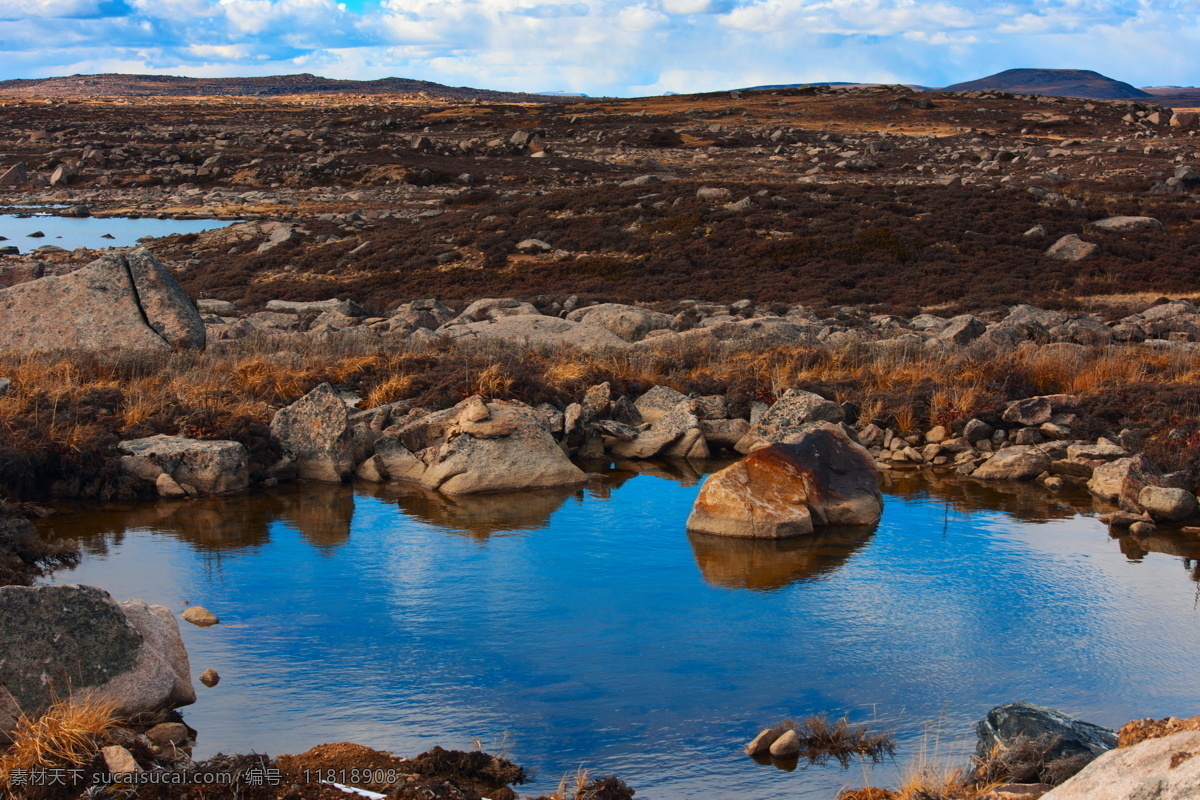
[[818, 478]]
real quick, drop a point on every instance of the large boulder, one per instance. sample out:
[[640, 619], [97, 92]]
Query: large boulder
[[1166, 768], [315, 430], [819, 478], [788, 416], [76, 641], [118, 301], [477, 447], [1005, 725], [211, 467]]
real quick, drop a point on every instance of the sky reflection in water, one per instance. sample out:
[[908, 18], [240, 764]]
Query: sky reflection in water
[[596, 631]]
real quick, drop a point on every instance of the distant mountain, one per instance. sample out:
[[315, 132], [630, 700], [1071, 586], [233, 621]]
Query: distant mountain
[[778, 86], [1057, 82], [114, 85], [1175, 96]]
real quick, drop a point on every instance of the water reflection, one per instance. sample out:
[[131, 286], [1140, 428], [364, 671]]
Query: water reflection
[[324, 514], [1023, 501], [479, 516], [321, 513], [600, 633], [770, 564]]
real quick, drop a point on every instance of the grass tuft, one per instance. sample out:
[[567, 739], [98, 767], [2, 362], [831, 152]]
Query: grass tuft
[[68, 734]]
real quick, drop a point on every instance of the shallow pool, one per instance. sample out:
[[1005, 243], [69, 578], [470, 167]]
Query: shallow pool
[[589, 629], [69, 232]]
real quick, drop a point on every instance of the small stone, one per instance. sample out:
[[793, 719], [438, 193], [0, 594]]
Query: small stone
[[762, 743], [168, 488], [119, 760], [936, 435], [977, 430], [786, 746], [201, 616], [533, 246], [1071, 248], [5, 385], [210, 678], [168, 734], [1167, 504], [1142, 528]]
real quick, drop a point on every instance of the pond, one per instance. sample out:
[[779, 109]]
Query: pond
[[587, 628], [91, 232]]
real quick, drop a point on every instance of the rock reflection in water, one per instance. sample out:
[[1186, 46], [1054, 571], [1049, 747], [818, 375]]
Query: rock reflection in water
[[768, 564], [321, 513], [1026, 502], [477, 515]]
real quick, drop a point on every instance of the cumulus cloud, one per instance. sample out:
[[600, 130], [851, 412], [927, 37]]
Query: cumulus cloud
[[603, 46]]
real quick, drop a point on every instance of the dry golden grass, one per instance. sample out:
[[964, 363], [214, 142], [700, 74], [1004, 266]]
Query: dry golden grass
[[493, 381], [911, 388], [67, 735], [397, 387]]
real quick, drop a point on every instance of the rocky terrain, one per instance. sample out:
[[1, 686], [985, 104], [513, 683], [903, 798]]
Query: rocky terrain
[[476, 295]]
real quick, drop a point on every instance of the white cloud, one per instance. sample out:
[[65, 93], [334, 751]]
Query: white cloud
[[605, 46], [696, 6], [17, 9]]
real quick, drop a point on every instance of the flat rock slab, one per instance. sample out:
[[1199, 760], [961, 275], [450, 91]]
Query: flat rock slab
[[536, 329], [1128, 224]]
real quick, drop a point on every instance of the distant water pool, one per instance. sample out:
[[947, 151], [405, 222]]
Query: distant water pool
[[596, 632], [70, 232]]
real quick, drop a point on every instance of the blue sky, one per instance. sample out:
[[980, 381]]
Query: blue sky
[[615, 47]]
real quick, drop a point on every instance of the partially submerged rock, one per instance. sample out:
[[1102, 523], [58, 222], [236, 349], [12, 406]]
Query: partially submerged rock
[[1006, 724], [1123, 480], [477, 447], [208, 467], [200, 616], [118, 301], [59, 641], [820, 478], [315, 430], [1018, 463]]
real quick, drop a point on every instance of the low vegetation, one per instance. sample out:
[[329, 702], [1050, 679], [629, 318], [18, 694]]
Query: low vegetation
[[66, 412], [841, 740], [68, 735], [1026, 761]]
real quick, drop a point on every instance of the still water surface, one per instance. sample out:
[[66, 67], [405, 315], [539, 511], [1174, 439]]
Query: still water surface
[[69, 233], [595, 631]]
